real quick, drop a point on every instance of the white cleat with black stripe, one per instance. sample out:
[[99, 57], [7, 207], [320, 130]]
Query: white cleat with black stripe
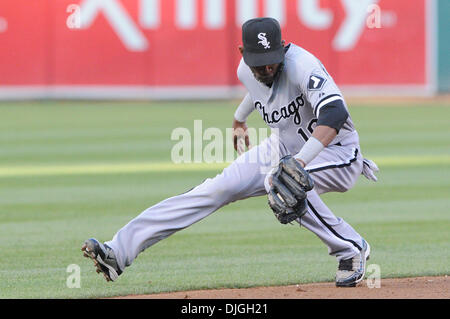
[[103, 257], [351, 271]]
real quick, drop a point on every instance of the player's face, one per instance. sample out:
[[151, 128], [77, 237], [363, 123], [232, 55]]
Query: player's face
[[266, 73]]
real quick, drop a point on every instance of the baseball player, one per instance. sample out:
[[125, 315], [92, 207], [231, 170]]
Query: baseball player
[[313, 140]]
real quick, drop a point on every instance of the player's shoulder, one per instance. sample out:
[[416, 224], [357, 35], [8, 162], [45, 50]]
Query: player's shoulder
[[243, 71], [241, 68], [300, 63]]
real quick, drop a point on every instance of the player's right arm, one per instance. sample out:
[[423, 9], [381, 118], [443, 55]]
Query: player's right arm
[[239, 124], [240, 134]]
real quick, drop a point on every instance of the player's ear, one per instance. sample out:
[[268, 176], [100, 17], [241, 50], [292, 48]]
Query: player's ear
[[283, 42], [241, 49]]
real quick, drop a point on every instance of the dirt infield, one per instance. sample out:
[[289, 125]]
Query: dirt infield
[[400, 288]]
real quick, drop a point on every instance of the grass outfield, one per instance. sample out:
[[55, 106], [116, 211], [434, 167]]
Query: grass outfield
[[70, 171]]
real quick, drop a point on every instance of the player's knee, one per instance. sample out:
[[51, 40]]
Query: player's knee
[[343, 187], [226, 189]]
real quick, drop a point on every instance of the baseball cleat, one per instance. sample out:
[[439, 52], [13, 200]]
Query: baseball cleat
[[103, 257], [351, 271]]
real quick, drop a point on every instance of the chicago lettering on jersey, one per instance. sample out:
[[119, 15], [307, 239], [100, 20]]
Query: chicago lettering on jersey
[[285, 112]]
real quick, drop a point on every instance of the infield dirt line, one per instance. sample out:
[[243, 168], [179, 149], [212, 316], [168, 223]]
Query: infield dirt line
[[390, 288]]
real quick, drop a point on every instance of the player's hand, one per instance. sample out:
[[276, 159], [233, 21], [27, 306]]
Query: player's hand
[[301, 162], [240, 137], [298, 160], [287, 194]]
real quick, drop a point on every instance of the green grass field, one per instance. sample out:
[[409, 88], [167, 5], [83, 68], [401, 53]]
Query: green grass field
[[74, 170]]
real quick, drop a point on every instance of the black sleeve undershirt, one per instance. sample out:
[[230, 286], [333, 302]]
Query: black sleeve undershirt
[[333, 114]]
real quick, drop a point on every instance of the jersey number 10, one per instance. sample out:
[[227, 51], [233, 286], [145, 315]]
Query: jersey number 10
[[311, 126]]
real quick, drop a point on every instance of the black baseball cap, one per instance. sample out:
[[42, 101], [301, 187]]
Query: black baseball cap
[[262, 42]]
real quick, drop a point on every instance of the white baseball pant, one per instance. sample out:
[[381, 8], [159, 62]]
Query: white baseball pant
[[336, 169]]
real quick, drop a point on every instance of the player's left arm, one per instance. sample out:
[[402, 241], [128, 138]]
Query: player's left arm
[[329, 108], [325, 134], [325, 131]]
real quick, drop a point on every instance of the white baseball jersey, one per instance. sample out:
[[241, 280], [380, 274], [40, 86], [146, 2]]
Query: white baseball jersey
[[294, 101]]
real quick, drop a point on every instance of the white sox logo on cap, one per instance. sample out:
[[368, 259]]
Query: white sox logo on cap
[[263, 42]]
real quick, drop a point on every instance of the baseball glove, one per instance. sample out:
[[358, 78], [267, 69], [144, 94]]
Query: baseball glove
[[287, 194]]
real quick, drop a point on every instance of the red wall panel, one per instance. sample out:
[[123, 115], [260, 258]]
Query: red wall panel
[[116, 47]]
